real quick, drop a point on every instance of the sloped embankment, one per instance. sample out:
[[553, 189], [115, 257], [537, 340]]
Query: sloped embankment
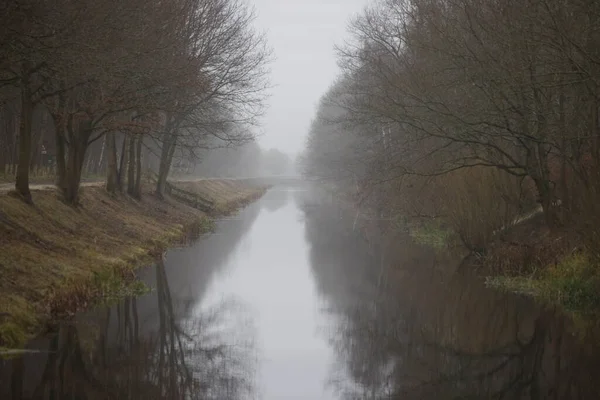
[[56, 260]]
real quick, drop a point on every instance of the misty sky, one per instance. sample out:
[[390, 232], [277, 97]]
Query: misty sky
[[302, 34]]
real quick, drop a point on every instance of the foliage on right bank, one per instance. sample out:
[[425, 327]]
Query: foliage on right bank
[[477, 115]]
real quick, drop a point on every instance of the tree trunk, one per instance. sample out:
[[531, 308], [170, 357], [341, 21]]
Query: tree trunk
[[131, 167], [166, 157], [36, 151], [3, 151], [61, 167], [75, 157], [138, 167], [75, 160], [89, 161], [595, 130], [112, 175], [22, 178], [564, 183], [546, 198], [11, 150], [16, 381], [59, 132], [123, 163], [538, 170], [98, 168]]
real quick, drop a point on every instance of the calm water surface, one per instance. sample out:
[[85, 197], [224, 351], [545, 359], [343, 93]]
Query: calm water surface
[[288, 301]]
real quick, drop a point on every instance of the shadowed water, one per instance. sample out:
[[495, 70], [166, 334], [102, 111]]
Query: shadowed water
[[288, 301]]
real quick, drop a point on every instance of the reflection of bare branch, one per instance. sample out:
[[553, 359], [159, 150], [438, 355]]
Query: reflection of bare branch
[[425, 336], [188, 357]]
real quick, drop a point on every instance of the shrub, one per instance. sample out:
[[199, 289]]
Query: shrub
[[479, 201], [573, 283]]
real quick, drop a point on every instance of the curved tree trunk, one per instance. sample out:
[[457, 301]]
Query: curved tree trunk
[[166, 157], [123, 162]]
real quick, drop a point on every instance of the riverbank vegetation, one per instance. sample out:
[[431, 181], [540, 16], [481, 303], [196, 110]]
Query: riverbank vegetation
[[479, 118], [116, 88], [124, 94], [57, 259], [455, 338], [179, 357]]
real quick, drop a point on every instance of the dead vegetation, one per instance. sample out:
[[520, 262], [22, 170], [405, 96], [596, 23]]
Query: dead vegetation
[[54, 258], [227, 195], [480, 201]]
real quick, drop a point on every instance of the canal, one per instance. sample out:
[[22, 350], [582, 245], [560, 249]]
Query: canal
[[287, 300]]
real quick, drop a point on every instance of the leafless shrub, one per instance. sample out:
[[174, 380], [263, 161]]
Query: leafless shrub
[[481, 201]]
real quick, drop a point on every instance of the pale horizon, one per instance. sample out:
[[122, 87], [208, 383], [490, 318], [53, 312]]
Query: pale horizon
[[302, 34]]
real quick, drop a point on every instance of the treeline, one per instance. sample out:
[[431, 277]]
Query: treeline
[[468, 110], [117, 87], [248, 160]]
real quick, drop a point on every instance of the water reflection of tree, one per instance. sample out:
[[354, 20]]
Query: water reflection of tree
[[419, 337], [275, 199], [191, 269], [183, 359]]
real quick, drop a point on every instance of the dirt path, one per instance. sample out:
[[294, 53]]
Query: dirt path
[[7, 187]]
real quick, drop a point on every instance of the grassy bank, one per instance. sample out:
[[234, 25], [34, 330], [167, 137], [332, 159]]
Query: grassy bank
[[228, 195], [551, 266], [572, 282], [56, 260]]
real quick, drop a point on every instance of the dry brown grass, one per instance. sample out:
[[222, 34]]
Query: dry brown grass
[[228, 194], [479, 201], [527, 249], [50, 252]]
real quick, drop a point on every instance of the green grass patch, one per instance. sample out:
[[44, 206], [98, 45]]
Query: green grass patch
[[17, 323], [112, 287], [516, 284], [574, 283], [431, 233], [207, 225], [13, 335]]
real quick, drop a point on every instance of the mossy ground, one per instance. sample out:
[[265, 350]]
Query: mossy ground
[[432, 233], [573, 283], [533, 260], [56, 260]]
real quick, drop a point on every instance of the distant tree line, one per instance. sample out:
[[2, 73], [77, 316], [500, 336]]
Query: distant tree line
[[247, 160], [117, 87], [472, 110]]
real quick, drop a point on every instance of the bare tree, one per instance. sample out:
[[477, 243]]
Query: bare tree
[[475, 83], [231, 60]]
